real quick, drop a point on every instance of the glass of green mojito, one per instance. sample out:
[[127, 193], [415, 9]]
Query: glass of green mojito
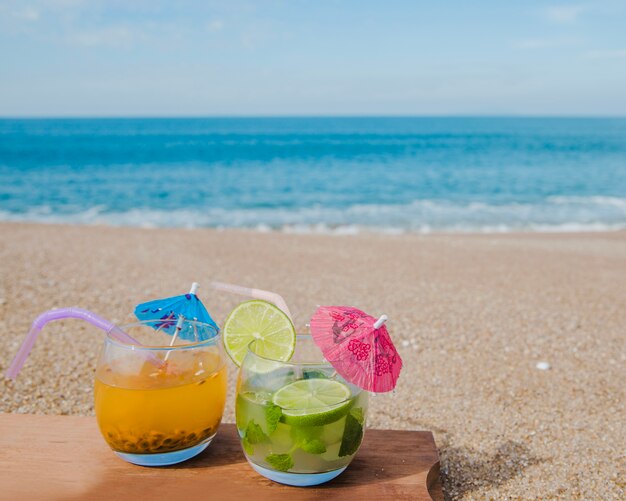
[[300, 423]]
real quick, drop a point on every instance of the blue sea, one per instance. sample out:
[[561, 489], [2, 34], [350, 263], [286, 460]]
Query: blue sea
[[341, 175]]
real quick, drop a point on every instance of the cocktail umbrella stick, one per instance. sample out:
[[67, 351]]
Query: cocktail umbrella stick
[[381, 320], [181, 319], [377, 325]]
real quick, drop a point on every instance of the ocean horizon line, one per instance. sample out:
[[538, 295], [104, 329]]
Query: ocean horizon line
[[479, 116]]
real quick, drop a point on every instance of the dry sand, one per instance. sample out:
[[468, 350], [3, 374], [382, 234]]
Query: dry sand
[[472, 315]]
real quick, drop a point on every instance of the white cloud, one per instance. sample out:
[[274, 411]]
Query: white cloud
[[109, 36], [215, 25], [564, 14], [27, 14], [606, 54]]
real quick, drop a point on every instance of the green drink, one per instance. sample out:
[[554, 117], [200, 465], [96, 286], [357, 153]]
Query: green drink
[[299, 422], [327, 443]]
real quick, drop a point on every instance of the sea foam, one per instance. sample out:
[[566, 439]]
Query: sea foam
[[554, 214]]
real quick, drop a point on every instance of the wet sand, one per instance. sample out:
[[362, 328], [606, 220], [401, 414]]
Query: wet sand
[[472, 317]]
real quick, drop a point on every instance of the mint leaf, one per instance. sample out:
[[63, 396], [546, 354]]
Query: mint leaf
[[247, 446], [307, 439], [254, 433], [280, 462], [315, 374], [352, 435], [305, 433], [272, 416], [358, 414], [315, 446]]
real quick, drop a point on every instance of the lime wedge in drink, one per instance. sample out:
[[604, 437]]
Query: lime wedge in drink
[[263, 322], [313, 402]]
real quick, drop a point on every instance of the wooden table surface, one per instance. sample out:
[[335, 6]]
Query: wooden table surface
[[64, 457]]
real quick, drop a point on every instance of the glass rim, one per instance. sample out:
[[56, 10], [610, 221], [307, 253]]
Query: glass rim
[[355, 391], [323, 363], [211, 341], [329, 407]]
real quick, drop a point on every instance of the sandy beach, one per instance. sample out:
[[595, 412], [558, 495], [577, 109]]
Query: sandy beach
[[472, 316]]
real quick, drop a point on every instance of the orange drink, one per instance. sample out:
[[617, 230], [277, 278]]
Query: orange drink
[[160, 407], [159, 410]]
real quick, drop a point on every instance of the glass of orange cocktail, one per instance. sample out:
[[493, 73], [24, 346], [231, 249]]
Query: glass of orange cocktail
[[159, 404]]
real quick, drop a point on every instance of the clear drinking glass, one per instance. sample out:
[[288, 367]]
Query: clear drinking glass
[[158, 404], [297, 445]]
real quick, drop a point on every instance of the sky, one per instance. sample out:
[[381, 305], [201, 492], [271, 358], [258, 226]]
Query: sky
[[293, 57]]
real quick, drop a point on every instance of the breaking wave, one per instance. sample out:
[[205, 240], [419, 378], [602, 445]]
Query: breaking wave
[[552, 214]]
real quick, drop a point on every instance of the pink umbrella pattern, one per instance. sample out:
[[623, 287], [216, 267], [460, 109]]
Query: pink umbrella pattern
[[358, 346]]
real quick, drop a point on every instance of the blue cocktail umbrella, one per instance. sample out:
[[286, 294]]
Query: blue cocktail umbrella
[[169, 313]]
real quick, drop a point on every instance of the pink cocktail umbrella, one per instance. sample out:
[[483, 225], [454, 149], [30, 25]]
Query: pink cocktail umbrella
[[358, 346]]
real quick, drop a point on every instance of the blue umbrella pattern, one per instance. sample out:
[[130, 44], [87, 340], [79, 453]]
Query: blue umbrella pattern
[[169, 313]]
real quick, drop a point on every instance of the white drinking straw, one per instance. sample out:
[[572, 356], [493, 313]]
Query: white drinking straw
[[271, 297]]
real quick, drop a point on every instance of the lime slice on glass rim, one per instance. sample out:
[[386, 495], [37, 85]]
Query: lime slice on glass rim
[[313, 402], [259, 320]]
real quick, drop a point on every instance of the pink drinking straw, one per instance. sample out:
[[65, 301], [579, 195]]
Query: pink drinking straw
[[271, 297], [60, 314]]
